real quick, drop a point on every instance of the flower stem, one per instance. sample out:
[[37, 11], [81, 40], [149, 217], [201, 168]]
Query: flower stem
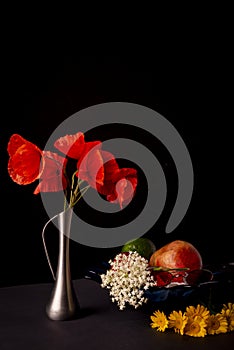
[[76, 192], [81, 193]]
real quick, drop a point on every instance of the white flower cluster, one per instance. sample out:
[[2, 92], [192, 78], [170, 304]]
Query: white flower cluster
[[127, 279]]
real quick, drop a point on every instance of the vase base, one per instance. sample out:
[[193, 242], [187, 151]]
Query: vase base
[[62, 313], [58, 316], [63, 303]]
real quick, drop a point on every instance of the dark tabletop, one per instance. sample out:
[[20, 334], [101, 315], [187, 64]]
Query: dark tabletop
[[24, 324]]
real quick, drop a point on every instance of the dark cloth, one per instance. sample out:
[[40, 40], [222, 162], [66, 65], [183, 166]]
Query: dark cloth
[[101, 325]]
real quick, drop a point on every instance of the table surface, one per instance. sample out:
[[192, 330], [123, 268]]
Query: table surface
[[101, 325]]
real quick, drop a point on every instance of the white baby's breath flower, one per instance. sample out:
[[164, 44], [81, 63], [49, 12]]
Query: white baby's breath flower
[[127, 277]]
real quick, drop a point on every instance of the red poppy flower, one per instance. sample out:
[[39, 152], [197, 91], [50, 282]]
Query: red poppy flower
[[52, 176], [124, 186], [24, 162], [74, 146], [90, 167], [99, 168], [111, 168], [120, 186]]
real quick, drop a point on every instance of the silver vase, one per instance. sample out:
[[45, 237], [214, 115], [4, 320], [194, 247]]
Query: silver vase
[[63, 304]]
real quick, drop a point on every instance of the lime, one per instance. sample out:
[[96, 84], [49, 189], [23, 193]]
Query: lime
[[143, 246]]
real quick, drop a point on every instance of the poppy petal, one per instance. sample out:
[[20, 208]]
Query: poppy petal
[[90, 168], [15, 142], [24, 165], [125, 181], [51, 185], [52, 176], [71, 145], [110, 168]]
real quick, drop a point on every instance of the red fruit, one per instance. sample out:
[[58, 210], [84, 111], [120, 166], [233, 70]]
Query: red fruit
[[177, 254]]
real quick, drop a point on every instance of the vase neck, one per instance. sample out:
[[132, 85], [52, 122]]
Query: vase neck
[[64, 222]]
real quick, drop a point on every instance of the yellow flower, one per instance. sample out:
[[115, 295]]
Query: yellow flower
[[228, 312], [195, 327], [217, 324], [196, 321], [199, 311], [160, 321], [177, 320], [229, 306]]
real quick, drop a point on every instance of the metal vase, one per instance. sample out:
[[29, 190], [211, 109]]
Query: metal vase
[[63, 304]]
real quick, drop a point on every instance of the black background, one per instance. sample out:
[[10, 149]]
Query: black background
[[42, 87]]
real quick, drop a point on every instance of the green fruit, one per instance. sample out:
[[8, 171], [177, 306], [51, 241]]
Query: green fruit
[[143, 246]]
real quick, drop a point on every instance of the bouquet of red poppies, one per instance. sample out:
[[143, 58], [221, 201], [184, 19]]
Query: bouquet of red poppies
[[94, 167]]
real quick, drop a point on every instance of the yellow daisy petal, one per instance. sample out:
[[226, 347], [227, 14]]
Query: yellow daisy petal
[[229, 306], [177, 320], [195, 327], [217, 324], [201, 311], [160, 321], [228, 313]]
